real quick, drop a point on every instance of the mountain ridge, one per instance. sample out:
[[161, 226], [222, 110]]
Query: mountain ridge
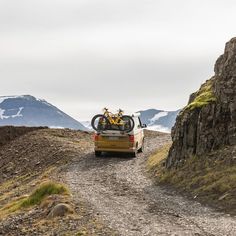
[[27, 110], [159, 120]]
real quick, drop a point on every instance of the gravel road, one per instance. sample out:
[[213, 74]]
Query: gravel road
[[120, 192]]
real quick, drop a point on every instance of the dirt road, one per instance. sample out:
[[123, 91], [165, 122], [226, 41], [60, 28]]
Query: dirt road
[[120, 193], [109, 194]]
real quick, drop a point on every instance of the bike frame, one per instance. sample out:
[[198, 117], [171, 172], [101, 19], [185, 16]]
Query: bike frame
[[114, 119]]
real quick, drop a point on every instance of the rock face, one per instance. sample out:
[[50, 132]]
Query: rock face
[[208, 122]]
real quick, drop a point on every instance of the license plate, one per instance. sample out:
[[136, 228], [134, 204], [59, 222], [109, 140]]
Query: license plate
[[113, 138]]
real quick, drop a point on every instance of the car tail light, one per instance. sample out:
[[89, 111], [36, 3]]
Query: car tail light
[[96, 137], [131, 138]]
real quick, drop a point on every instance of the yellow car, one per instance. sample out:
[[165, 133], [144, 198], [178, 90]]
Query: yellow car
[[114, 140]]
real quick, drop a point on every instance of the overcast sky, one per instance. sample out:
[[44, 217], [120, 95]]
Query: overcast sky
[[82, 55]]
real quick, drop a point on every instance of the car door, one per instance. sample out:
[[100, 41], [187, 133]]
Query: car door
[[139, 132], [142, 132]]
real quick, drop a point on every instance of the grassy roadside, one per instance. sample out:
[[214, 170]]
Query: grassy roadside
[[209, 179], [45, 189], [38, 196], [35, 198]]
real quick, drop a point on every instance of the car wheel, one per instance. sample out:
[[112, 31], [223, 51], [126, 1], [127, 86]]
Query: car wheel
[[142, 148], [98, 153], [134, 154]]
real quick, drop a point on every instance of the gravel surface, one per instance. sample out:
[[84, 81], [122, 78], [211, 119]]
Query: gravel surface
[[111, 195], [119, 191]]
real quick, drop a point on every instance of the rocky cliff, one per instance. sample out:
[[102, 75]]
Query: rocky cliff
[[208, 122]]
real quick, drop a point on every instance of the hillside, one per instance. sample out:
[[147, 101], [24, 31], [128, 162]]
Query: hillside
[[201, 159], [27, 110], [87, 124], [30, 160]]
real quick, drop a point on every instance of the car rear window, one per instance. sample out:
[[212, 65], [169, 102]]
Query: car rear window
[[117, 127]]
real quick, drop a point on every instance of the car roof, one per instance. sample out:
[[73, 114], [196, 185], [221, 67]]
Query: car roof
[[136, 114]]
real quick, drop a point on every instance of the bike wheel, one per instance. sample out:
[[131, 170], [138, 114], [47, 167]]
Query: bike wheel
[[99, 122], [128, 124]]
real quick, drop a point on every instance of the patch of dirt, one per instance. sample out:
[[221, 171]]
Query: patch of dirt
[[8, 133], [40, 149]]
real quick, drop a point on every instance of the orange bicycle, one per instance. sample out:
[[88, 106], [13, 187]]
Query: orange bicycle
[[108, 120]]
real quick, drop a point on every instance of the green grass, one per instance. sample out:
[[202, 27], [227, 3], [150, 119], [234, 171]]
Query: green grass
[[203, 97], [35, 198], [154, 161], [42, 192], [207, 178]]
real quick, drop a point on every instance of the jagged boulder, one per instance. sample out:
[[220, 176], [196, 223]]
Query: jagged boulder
[[208, 122]]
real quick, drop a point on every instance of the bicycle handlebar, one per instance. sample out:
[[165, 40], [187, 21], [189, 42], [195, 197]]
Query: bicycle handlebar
[[107, 110]]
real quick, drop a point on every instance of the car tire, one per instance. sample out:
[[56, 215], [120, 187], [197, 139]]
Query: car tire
[[98, 153], [134, 154], [142, 148], [100, 127]]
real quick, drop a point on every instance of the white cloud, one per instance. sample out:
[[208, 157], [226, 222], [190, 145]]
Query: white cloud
[[127, 53]]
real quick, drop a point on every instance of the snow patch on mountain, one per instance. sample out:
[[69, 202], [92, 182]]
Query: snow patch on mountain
[[3, 98], [159, 128], [159, 120], [26, 110], [56, 127], [18, 114], [2, 114], [157, 117]]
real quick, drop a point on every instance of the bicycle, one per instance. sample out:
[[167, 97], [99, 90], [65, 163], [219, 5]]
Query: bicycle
[[107, 120]]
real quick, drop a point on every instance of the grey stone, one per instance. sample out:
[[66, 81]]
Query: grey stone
[[207, 128], [60, 209]]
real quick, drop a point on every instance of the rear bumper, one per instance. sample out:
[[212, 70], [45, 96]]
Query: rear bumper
[[130, 150]]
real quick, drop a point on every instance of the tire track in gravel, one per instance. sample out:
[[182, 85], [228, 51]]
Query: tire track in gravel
[[119, 191]]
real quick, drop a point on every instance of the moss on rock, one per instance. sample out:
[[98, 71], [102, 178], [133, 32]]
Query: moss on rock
[[203, 97]]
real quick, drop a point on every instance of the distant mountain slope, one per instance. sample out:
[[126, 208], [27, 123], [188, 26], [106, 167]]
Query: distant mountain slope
[[158, 119], [27, 110], [87, 124]]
